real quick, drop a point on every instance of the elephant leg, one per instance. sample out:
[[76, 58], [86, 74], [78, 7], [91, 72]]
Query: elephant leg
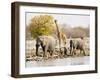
[[60, 51], [65, 51], [37, 46], [74, 51], [51, 53], [71, 51], [84, 52], [43, 48], [45, 51]]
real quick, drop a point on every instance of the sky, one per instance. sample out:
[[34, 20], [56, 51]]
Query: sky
[[73, 20]]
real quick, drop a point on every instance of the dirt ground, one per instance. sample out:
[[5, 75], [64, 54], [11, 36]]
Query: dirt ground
[[31, 56]]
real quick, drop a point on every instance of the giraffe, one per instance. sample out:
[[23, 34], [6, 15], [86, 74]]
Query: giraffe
[[61, 37]]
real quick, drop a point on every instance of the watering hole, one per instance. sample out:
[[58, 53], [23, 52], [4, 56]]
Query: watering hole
[[84, 60]]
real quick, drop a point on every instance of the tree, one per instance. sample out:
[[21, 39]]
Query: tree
[[41, 25]]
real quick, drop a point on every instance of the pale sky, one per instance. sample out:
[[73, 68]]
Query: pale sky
[[69, 19]]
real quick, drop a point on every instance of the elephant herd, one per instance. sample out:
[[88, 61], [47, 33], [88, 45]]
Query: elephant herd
[[48, 44]]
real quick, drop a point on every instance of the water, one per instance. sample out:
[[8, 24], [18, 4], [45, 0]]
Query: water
[[59, 62]]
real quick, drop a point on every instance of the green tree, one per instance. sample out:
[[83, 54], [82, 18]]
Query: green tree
[[41, 25]]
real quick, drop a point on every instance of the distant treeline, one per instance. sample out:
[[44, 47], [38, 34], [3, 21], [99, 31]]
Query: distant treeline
[[74, 32]]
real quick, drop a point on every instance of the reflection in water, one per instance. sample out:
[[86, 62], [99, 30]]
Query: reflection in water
[[59, 62]]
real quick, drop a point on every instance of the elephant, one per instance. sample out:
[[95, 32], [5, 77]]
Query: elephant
[[77, 45], [47, 44]]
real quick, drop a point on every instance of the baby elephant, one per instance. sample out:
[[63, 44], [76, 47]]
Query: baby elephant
[[47, 44]]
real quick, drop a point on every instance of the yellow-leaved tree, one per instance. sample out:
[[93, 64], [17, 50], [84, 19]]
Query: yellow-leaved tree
[[41, 25]]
